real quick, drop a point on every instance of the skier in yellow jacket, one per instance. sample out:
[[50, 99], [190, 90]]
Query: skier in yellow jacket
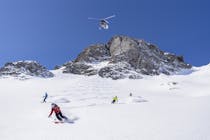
[[114, 100]]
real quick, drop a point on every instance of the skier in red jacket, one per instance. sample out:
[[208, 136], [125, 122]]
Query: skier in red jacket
[[58, 114]]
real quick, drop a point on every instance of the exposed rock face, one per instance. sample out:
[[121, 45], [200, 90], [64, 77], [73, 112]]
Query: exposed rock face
[[144, 57], [125, 57], [119, 71], [94, 53], [21, 68], [79, 68]]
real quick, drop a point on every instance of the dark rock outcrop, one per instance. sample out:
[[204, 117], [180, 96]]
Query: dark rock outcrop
[[79, 68], [94, 53]]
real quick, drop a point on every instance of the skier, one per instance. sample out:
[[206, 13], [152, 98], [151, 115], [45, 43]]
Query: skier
[[114, 100], [58, 114], [130, 94], [45, 97]]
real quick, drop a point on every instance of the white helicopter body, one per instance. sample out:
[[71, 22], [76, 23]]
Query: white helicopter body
[[103, 23]]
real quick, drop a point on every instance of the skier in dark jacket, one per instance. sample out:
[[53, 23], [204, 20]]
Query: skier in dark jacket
[[57, 111], [45, 97]]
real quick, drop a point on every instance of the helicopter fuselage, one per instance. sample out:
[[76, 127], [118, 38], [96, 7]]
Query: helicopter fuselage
[[104, 24]]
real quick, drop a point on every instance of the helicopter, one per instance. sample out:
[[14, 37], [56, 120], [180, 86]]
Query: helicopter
[[103, 23]]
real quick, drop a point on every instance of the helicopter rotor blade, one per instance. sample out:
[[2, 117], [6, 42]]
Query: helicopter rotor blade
[[90, 18], [106, 21], [110, 17]]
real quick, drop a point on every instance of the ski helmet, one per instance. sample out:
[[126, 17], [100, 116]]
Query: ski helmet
[[53, 105]]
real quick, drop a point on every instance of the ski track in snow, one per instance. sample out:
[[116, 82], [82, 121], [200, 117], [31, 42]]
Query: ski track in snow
[[162, 108]]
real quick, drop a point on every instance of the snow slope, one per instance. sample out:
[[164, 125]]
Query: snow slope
[[162, 108]]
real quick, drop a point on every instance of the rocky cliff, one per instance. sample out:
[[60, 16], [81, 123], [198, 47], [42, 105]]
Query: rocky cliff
[[125, 57]]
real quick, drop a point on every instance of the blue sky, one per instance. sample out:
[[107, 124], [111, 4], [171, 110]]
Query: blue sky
[[53, 32]]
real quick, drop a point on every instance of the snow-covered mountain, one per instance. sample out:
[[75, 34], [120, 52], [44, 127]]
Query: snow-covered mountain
[[122, 57], [125, 57], [25, 69], [162, 107]]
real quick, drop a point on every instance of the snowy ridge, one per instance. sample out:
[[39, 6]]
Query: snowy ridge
[[24, 70]]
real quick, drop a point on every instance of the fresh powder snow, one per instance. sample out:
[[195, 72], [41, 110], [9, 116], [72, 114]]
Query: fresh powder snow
[[161, 107]]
